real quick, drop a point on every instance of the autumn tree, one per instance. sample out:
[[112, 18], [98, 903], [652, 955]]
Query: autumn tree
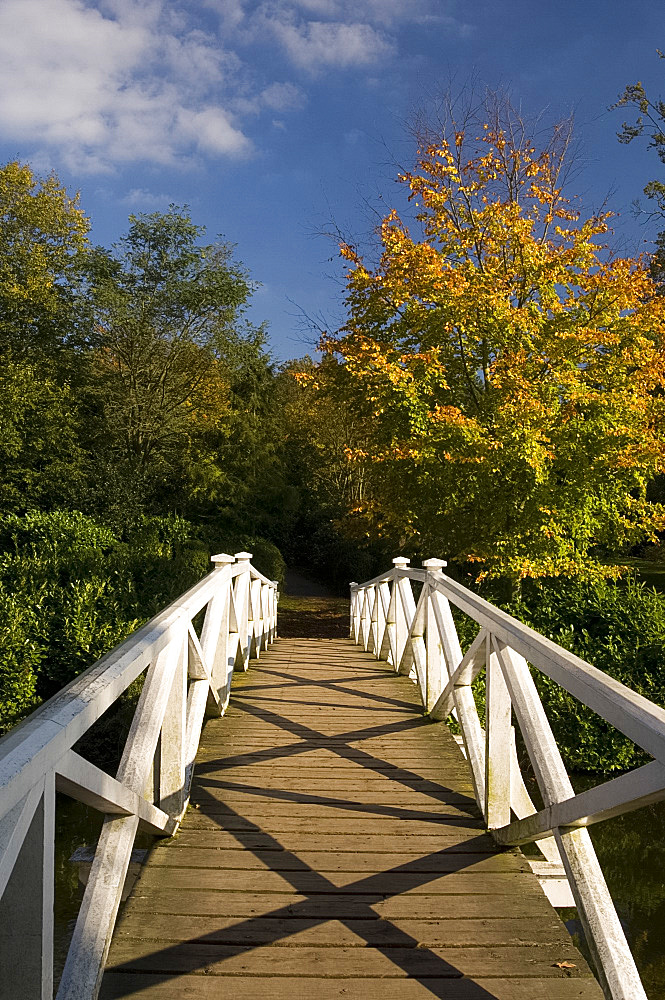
[[512, 368]]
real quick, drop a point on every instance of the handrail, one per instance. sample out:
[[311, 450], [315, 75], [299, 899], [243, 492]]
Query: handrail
[[188, 677], [420, 639]]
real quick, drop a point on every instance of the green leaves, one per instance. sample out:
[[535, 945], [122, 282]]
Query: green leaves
[[43, 244], [71, 589]]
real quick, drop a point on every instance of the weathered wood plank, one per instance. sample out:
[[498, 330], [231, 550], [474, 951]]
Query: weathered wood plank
[[471, 879], [168, 987], [299, 931], [396, 822], [348, 963], [215, 904], [332, 808], [333, 861], [461, 838]]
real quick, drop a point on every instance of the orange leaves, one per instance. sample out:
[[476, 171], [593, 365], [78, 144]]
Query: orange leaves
[[450, 415], [348, 252]]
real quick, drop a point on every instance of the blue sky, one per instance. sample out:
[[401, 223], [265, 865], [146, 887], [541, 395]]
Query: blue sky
[[274, 119]]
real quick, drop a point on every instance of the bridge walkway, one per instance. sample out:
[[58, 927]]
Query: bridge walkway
[[333, 849]]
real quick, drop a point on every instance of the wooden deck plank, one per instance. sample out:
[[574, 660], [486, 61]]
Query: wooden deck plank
[[480, 905], [211, 959], [334, 849], [449, 838], [352, 933], [119, 985], [332, 861]]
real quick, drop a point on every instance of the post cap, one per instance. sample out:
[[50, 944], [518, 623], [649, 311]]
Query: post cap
[[432, 565], [222, 559], [354, 584], [401, 561], [243, 556]]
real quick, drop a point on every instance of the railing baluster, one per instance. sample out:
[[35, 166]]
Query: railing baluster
[[241, 592], [254, 619], [437, 673], [366, 619], [215, 631], [353, 600], [415, 653], [383, 608], [264, 633], [172, 791], [405, 609], [26, 906], [498, 744]]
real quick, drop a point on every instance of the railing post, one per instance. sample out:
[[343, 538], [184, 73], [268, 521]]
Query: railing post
[[403, 602], [26, 909], [242, 600], [353, 612], [274, 591], [366, 616], [382, 604], [215, 632], [254, 619], [436, 674], [498, 743], [170, 754]]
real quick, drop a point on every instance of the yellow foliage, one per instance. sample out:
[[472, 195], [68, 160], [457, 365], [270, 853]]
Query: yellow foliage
[[503, 342]]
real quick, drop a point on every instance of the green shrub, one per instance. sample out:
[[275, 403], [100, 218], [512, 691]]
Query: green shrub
[[620, 629], [71, 589], [21, 654], [267, 558]]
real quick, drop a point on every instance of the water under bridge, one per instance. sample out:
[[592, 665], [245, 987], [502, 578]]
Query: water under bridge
[[323, 834]]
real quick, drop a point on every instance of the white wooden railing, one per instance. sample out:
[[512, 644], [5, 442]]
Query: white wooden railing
[[420, 638], [186, 678]]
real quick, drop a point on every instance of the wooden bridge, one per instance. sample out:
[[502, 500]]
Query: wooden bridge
[[336, 842]]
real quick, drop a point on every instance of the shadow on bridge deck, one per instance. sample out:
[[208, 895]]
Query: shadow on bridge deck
[[333, 849]]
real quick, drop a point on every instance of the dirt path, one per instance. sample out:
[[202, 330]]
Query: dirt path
[[309, 611]]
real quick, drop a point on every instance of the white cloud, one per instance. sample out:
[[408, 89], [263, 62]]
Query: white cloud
[[144, 199], [96, 84], [114, 86], [318, 34], [314, 45], [283, 97]]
